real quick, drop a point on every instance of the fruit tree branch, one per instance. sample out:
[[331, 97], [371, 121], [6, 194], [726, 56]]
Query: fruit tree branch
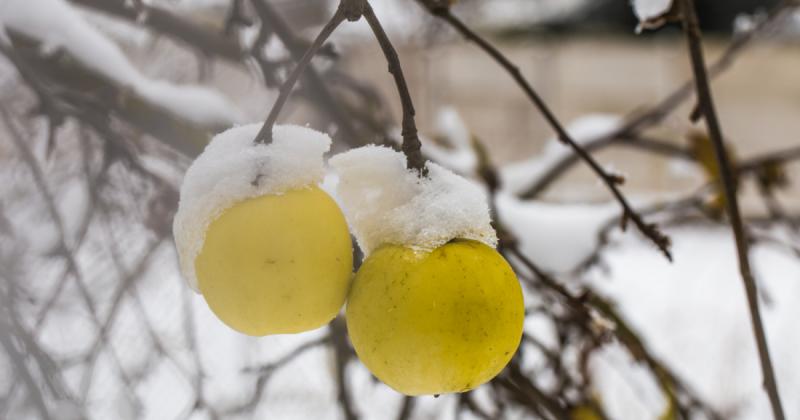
[[411, 144], [442, 10], [265, 134], [656, 113], [707, 110]]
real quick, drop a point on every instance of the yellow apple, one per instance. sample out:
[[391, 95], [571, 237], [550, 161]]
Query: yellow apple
[[435, 322], [277, 264]]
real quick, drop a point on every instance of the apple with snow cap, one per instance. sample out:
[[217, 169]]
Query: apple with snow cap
[[434, 308], [267, 248]]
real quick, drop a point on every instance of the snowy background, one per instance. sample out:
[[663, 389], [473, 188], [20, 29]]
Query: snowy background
[[98, 323]]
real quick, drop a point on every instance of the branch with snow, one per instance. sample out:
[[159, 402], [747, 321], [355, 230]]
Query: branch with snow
[[56, 25]]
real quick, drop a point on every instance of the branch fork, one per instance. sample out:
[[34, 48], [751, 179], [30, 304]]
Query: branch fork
[[353, 10]]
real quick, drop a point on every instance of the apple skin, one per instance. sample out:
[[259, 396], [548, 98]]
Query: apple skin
[[277, 264], [435, 322]]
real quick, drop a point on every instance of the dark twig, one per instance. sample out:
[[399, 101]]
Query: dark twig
[[776, 157], [265, 134], [588, 305], [519, 384], [655, 114], [19, 366], [353, 10], [406, 408], [411, 145], [651, 231], [266, 371], [706, 106], [320, 94], [342, 356]]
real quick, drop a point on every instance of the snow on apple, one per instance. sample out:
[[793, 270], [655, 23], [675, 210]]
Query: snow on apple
[[386, 203], [225, 173]]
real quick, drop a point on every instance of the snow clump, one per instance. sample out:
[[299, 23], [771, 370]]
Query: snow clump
[[386, 203]]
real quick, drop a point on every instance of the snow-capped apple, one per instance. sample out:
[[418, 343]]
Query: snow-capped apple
[[268, 249], [434, 308]]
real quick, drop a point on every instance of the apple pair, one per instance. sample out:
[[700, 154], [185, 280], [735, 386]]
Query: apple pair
[[423, 321]]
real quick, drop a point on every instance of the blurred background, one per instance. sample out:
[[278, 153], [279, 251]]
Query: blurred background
[[104, 103]]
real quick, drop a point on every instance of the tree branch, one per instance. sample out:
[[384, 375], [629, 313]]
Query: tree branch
[[651, 231], [707, 110], [264, 135], [655, 114], [163, 21], [313, 80], [411, 145]]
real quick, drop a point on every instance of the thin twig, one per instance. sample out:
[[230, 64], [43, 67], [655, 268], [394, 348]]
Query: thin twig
[[266, 372], [342, 356], [18, 364], [320, 94], [406, 408], [707, 109], [265, 134], [653, 115], [651, 231], [411, 145]]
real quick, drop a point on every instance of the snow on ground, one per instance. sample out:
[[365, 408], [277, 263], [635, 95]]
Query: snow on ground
[[519, 175], [693, 314], [555, 236], [627, 390], [451, 146], [58, 25]]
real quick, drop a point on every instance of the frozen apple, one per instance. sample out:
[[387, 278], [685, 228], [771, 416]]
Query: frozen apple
[[435, 322], [434, 308], [277, 263], [268, 249]]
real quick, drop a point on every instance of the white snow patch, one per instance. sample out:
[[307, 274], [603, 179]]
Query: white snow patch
[[73, 201], [385, 203], [518, 176], [57, 24], [626, 388], [120, 31], [224, 173], [693, 315], [555, 236], [649, 9], [460, 155]]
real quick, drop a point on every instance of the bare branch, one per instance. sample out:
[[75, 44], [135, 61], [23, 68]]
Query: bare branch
[[411, 144], [639, 121], [707, 109], [651, 231], [321, 94], [163, 21], [264, 135], [342, 356]]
